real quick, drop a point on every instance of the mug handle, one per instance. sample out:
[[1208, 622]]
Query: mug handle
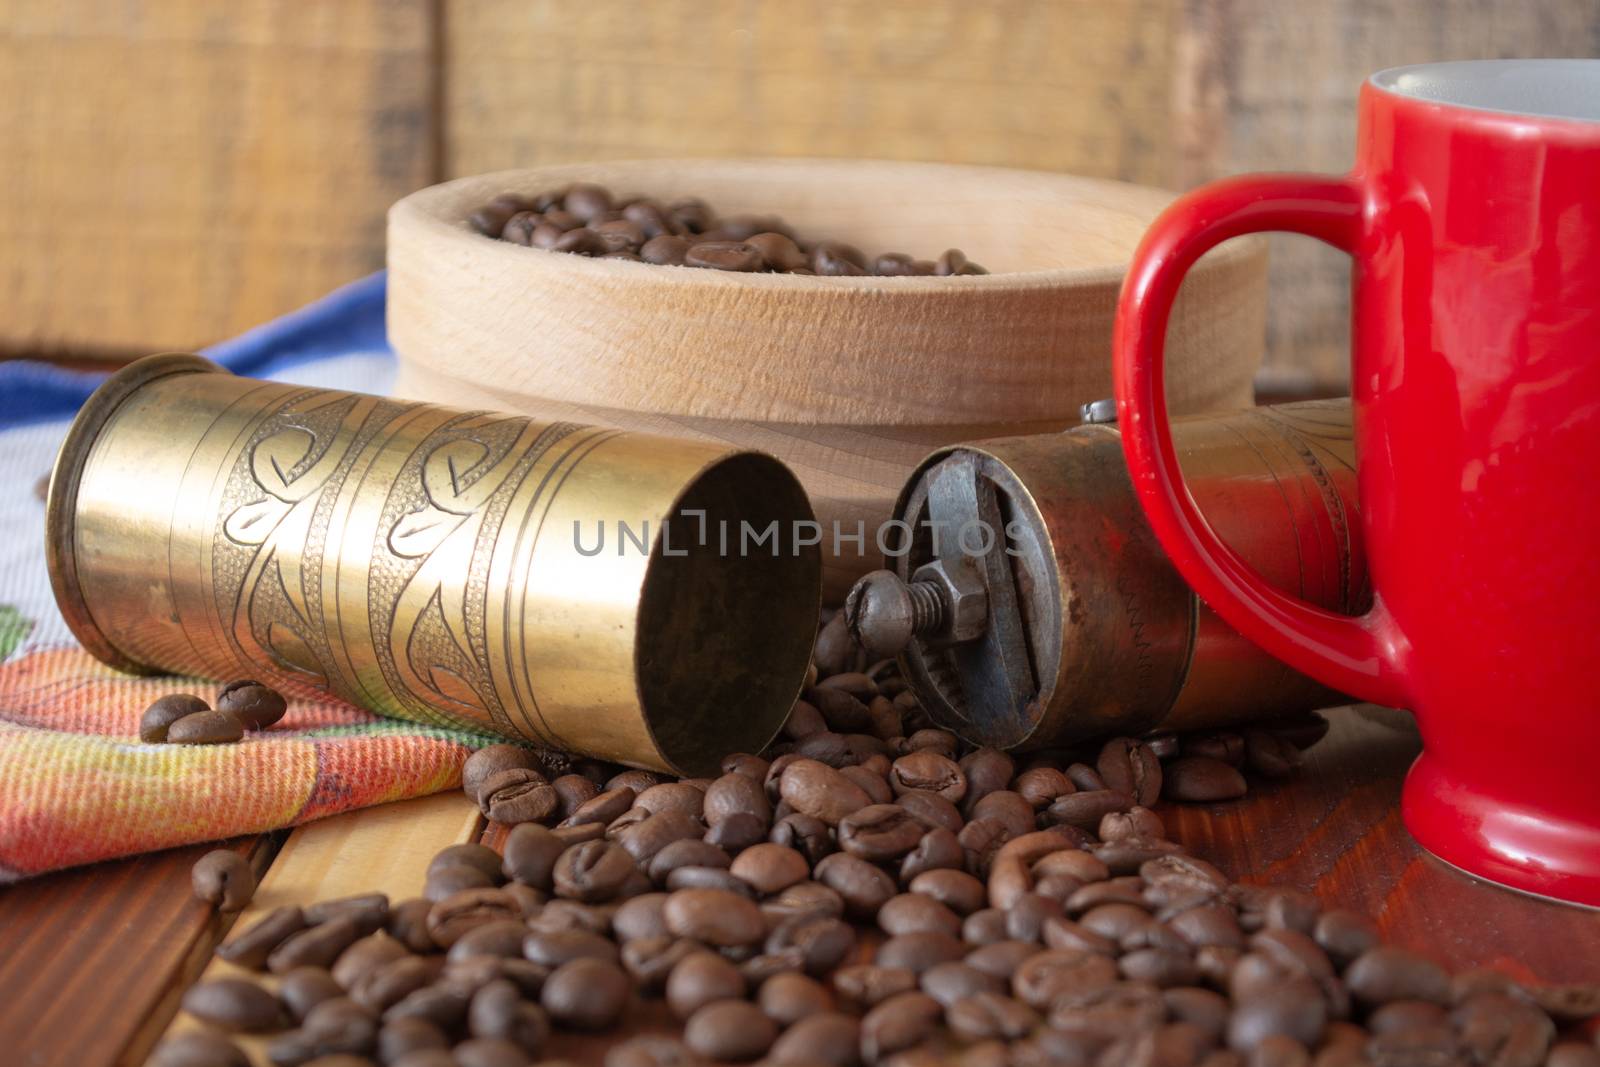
[[1362, 656]]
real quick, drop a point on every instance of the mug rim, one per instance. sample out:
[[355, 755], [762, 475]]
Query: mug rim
[[1449, 78]]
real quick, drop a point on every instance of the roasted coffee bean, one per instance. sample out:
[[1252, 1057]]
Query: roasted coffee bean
[[234, 1004], [868, 984], [950, 982], [498, 1011], [803, 898], [987, 1015], [552, 948], [489, 1052], [927, 770], [443, 882], [640, 916], [898, 1023], [843, 711], [587, 201], [1292, 1008], [388, 984], [724, 255], [879, 833], [1128, 766], [736, 794], [224, 879], [401, 1037], [863, 887], [369, 911], [688, 852], [805, 834], [1562, 1054], [573, 791], [769, 868], [198, 1048], [778, 252], [918, 951], [910, 913], [1040, 786], [593, 871], [586, 993], [1201, 779], [1136, 822], [440, 1004], [1385, 973], [953, 261], [643, 839], [159, 716], [737, 832], [258, 706], [364, 956], [815, 789], [708, 878], [835, 258], [517, 795], [715, 917], [303, 988], [317, 946], [491, 760], [501, 938], [822, 942], [458, 913], [1271, 756], [250, 948], [1044, 977], [206, 728], [789, 997], [730, 1030], [699, 979], [1006, 809], [476, 857], [1345, 934], [408, 924], [1085, 809], [938, 849], [651, 959], [957, 890]]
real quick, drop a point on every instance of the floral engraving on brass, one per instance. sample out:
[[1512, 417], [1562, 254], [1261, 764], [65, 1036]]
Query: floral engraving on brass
[[427, 594]]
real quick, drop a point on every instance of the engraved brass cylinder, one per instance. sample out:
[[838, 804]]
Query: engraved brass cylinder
[[547, 582], [1093, 633]]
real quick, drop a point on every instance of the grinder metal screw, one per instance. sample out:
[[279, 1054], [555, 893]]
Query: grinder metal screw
[[884, 613]]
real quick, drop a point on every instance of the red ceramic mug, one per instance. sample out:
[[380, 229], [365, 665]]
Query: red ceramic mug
[[1473, 219]]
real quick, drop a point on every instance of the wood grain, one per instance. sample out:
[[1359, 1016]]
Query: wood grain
[[384, 849], [852, 381], [1336, 831], [1263, 85], [1073, 85], [123, 939], [110, 944], [176, 172]]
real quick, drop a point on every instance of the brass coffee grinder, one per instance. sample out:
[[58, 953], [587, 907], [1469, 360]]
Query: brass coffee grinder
[[1033, 607]]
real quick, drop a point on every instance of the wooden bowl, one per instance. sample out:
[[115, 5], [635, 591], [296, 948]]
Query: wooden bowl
[[851, 381]]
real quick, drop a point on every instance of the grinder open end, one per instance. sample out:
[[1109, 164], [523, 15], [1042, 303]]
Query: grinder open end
[[1032, 605]]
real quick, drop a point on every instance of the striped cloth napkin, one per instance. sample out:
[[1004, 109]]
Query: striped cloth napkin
[[76, 785]]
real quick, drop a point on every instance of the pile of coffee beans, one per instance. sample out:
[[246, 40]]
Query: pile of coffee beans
[[186, 719], [588, 220], [870, 891]]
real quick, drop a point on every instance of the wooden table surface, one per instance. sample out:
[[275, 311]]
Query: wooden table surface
[[92, 961]]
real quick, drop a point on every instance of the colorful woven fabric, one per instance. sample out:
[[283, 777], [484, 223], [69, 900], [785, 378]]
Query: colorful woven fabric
[[76, 784]]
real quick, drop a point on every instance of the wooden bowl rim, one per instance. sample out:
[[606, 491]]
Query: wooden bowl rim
[[440, 210]]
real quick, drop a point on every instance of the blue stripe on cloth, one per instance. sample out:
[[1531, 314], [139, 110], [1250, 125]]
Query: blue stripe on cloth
[[347, 320]]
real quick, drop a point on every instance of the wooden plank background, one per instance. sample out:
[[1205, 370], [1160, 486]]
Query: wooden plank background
[[175, 171]]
